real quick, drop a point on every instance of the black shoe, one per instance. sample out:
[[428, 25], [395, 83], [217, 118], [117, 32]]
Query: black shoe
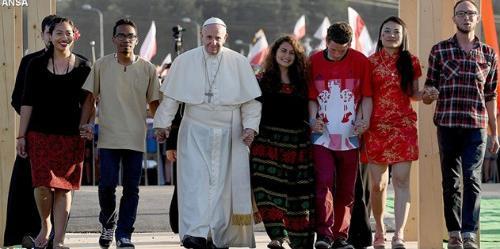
[[210, 245], [341, 243], [323, 242], [106, 237], [124, 243], [194, 242]]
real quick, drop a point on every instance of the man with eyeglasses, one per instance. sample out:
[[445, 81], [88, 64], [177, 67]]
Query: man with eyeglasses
[[462, 77], [124, 84]]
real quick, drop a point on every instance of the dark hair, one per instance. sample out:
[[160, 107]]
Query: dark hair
[[461, 1], [340, 33], [47, 21], [298, 71], [53, 24], [404, 63], [124, 21]]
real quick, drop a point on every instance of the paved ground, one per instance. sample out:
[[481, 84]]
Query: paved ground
[[164, 240], [152, 228]]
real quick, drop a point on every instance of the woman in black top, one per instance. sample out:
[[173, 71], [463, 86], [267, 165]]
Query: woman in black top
[[49, 129], [281, 165]]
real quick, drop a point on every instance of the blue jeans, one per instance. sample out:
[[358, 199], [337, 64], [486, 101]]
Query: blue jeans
[[462, 150], [108, 180]]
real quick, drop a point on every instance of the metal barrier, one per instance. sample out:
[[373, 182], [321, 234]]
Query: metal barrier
[[154, 163]]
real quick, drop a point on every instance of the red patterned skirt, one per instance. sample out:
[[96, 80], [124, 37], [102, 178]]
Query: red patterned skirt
[[56, 160]]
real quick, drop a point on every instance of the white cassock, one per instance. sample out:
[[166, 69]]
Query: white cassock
[[213, 171]]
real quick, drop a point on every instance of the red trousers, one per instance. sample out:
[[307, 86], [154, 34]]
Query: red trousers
[[335, 173]]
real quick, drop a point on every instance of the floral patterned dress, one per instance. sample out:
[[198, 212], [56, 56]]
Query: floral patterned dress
[[392, 136]]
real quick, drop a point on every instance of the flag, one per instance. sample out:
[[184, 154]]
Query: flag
[[299, 30], [167, 60], [361, 38], [321, 33], [161, 69], [258, 51], [148, 47], [490, 32]]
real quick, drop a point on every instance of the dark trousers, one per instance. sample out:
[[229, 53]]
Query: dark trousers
[[462, 152], [131, 170], [22, 213], [360, 232]]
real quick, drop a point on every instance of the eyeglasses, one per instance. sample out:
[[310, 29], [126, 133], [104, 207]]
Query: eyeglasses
[[466, 13], [123, 37]]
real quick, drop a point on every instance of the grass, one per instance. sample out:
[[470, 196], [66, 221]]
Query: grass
[[489, 221]]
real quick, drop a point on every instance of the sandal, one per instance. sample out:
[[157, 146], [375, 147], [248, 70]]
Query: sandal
[[397, 243], [379, 241], [275, 244]]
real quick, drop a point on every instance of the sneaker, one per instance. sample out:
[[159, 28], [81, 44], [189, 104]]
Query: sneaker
[[341, 243], [470, 243], [455, 242], [124, 243], [106, 237], [323, 242], [397, 243]]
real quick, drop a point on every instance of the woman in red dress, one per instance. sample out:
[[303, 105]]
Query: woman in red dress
[[392, 136], [49, 129]]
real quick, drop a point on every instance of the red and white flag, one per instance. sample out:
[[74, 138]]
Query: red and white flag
[[258, 51], [299, 30], [321, 33], [148, 47], [361, 40]]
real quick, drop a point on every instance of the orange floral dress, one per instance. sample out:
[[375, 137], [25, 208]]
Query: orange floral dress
[[392, 136]]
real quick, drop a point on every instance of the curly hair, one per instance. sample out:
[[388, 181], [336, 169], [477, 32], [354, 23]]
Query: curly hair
[[298, 71]]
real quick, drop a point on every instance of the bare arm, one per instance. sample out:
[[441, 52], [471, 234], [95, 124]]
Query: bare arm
[[88, 109], [313, 110], [23, 127], [153, 106], [417, 94]]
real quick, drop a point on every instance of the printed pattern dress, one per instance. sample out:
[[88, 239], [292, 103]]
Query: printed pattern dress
[[282, 169], [392, 136]]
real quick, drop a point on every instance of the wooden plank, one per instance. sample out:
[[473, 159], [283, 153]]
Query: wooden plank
[[37, 10], [8, 66], [407, 13], [434, 24]]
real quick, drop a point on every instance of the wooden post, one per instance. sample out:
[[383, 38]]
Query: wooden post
[[435, 23], [37, 10], [11, 40], [407, 12], [11, 20]]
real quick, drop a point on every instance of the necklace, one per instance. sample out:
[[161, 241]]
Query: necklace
[[54, 65], [210, 93], [385, 66]]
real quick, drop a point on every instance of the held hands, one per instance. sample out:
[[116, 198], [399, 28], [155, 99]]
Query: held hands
[[21, 147], [161, 134], [172, 155], [430, 94], [360, 126], [87, 131], [317, 125], [248, 136]]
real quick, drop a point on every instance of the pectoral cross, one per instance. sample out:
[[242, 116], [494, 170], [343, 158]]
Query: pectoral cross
[[209, 94]]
